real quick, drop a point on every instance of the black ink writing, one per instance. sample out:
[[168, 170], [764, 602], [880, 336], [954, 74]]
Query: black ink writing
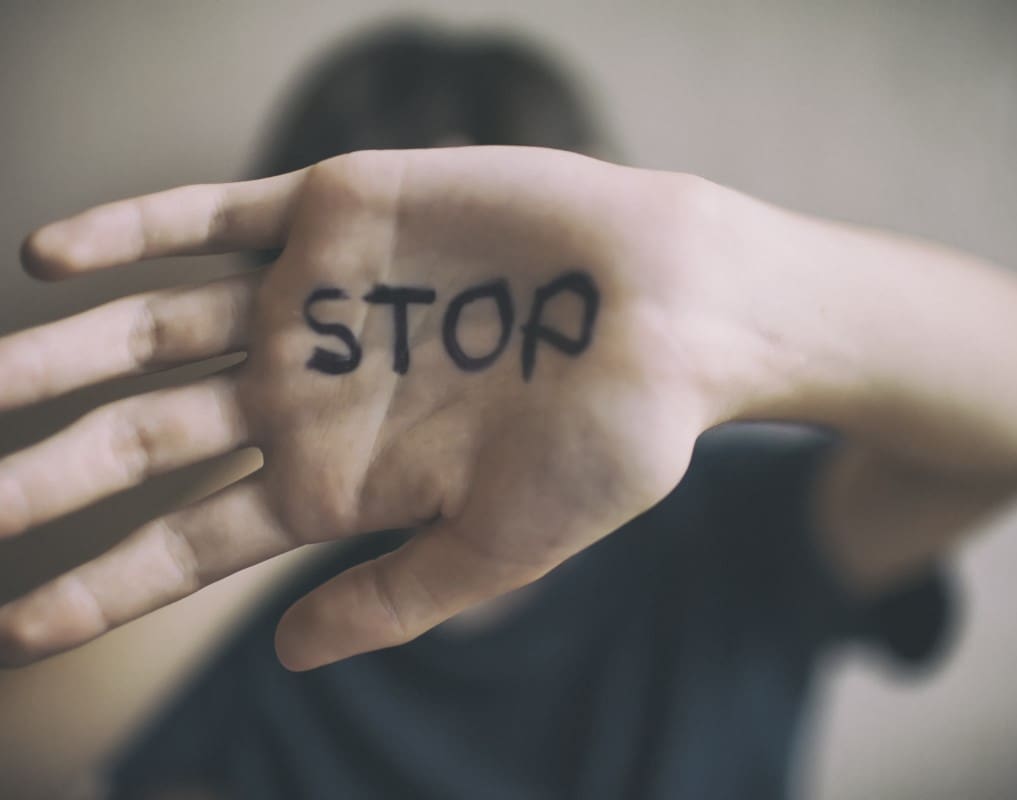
[[328, 361], [537, 329], [400, 297], [498, 291], [534, 330]]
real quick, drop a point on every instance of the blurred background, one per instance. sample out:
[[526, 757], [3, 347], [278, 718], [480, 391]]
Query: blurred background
[[896, 114]]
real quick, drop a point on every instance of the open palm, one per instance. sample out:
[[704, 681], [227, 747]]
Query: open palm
[[479, 344]]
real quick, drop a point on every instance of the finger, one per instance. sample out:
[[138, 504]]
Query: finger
[[161, 562], [212, 218], [126, 337], [116, 447], [393, 599]]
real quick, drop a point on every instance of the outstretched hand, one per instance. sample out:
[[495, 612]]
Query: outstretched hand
[[486, 345]]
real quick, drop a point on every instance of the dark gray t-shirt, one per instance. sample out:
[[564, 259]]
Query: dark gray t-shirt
[[670, 660]]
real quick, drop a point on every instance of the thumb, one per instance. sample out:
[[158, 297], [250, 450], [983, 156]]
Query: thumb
[[395, 598]]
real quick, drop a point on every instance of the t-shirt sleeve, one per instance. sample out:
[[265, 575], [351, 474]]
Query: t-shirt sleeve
[[758, 482]]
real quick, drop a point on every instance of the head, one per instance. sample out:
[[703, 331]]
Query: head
[[414, 87], [410, 87]]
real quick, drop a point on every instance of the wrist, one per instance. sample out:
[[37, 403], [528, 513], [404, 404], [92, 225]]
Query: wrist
[[892, 341], [770, 339]]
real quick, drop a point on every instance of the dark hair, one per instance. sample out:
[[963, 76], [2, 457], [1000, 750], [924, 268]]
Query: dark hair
[[412, 86]]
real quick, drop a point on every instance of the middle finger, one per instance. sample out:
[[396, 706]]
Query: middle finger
[[125, 337]]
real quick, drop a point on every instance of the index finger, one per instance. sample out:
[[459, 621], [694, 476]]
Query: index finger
[[189, 220]]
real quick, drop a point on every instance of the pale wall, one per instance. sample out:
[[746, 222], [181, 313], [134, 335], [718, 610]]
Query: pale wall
[[902, 114]]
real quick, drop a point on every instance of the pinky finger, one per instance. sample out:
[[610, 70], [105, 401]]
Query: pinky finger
[[161, 562]]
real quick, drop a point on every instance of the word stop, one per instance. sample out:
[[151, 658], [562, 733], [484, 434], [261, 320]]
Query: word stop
[[496, 293]]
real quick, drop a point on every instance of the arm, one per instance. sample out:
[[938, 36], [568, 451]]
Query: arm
[[511, 350], [901, 346], [455, 341]]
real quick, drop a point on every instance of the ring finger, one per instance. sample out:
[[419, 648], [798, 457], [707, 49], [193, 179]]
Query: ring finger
[[116, 447]]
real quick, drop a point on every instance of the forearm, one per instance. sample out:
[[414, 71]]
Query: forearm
[[881, 518], [901, 346], [898, 343]]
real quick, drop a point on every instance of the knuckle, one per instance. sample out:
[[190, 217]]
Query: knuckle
[[327, 177], [365, 178], [181, 554], [221, 217], [346, 168], [133, 443], [145, 337]]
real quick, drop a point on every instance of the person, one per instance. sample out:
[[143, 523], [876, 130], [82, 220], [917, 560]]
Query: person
[[496, 356]]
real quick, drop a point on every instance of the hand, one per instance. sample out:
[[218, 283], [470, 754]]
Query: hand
[[484, 344]]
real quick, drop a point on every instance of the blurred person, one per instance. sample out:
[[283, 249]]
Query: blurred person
[[627, 315]]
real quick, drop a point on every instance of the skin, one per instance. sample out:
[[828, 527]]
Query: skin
[[714, 307]]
